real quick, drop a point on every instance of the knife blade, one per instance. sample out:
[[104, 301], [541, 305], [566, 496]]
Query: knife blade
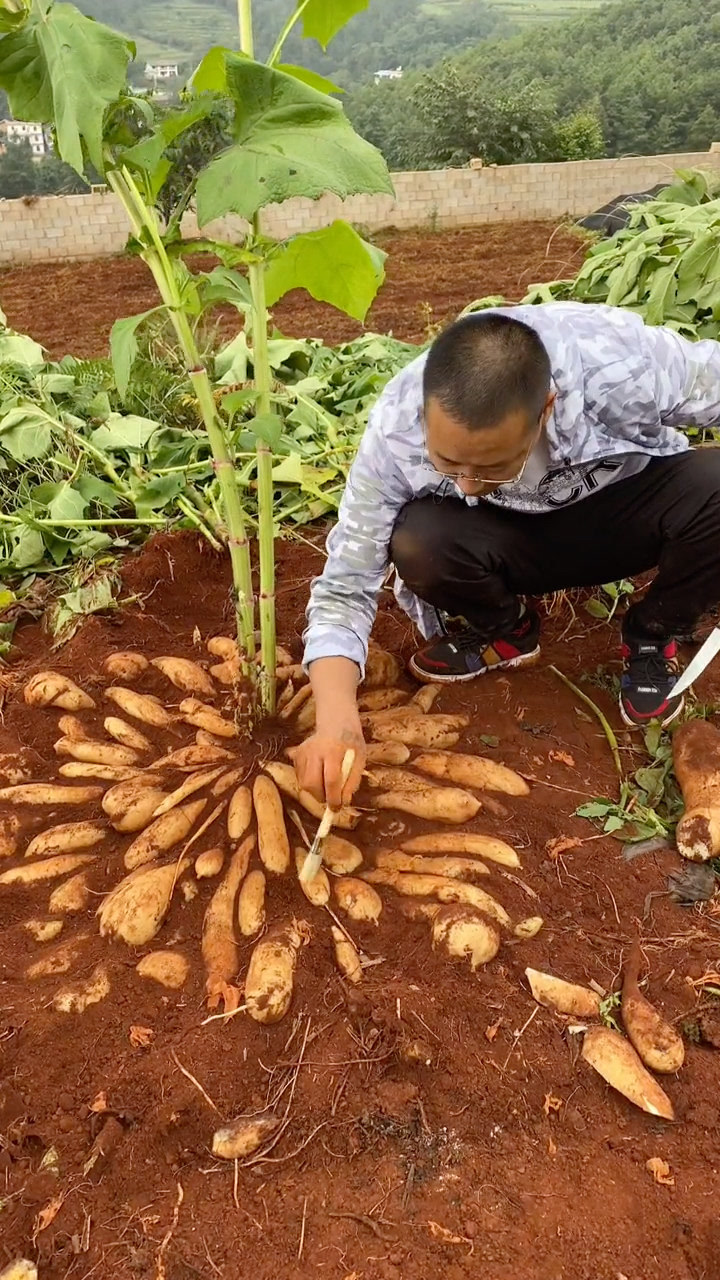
[[313, 861], [700, 662]]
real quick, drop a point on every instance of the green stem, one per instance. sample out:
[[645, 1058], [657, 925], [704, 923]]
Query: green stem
[[101, 458], [155, 255], [607, 727], [279, 43], [40, 523], [191, 514], [262, 376], [245, 22], [238, 543], [266, 524]]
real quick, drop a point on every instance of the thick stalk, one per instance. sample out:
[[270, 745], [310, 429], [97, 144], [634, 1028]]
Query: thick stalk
[[155, 255], [262, 378], [266, 516], [245, 22]]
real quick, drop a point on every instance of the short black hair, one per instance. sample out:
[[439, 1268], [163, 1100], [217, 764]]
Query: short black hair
[[485, 367]]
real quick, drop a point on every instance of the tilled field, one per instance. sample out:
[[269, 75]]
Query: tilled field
[[71, 307], [435, 1121]]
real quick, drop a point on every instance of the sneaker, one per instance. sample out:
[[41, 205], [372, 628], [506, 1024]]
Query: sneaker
[[468, 653], [651, 671]]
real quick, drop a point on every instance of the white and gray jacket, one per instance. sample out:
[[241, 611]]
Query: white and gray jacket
[[623, 388]]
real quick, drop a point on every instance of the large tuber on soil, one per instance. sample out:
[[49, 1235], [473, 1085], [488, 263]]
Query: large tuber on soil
[[696, 756], [659, 1045], [618, 1064]]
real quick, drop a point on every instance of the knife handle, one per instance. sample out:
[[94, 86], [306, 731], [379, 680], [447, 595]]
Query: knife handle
[[347, 764], [327, 818]]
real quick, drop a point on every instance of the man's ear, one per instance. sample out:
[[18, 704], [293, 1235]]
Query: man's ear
[[549, 405]]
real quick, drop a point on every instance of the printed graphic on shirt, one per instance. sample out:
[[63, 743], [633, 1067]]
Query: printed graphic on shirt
[[561, 486]]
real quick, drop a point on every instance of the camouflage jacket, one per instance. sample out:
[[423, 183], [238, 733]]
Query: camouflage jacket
[[622, 388]]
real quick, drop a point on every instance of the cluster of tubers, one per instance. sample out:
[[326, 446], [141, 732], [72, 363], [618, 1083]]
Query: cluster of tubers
[[191, 814]]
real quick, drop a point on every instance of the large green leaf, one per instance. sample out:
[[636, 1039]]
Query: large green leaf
[[26, 433], [68, 504], [322, 19], [65, 69], [662, 294], [129, 433], [335, 265], [124, 347], [157, 493], [290, 140], [17, 348], [28, 547]]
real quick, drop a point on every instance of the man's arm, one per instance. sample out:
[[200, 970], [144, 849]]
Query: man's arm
[[342, 610], [687, 378]]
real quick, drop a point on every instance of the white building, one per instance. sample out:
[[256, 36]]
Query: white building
[[162, 70], [25, 131], [394, 73]]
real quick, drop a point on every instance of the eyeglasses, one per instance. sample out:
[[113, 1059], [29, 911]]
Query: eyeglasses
[[466, 475]]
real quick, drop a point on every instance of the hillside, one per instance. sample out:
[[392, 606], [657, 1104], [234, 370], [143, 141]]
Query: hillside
[[647, 72], [411, 33], [525, 13], [651, 68]]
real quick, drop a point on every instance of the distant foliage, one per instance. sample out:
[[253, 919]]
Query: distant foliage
[[21, 175], [636, 78], [445, 118], [650, 70]]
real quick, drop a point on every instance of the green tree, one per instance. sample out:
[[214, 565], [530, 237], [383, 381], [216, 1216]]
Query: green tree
[[18, 171], [447, 117], [55, 178], [580, 137]]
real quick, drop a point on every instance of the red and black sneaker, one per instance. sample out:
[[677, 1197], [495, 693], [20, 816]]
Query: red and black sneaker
[[468, 653], [651, 672]]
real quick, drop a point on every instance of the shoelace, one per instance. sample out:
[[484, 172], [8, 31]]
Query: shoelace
[[652, 668]]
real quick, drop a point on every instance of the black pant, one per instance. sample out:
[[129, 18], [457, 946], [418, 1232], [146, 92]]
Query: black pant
[[476, 561]]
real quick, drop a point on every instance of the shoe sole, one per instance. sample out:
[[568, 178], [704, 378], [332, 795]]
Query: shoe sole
[[525, 659], [633, 724]]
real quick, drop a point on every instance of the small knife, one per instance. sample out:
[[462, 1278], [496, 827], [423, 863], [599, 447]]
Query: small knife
[[313, 861], [702, 659]]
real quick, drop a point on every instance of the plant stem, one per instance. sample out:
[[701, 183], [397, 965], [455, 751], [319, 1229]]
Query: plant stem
[[98, 456], [266, 522], [238, 542], [279, 43], [262, 377], [607, 728], [191, 514], [38, 522], [146, 228], [245, 22]]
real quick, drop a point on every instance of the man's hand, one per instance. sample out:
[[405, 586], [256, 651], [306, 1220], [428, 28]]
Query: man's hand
[[318, 762]]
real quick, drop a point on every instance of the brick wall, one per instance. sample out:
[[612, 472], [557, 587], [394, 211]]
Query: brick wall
[[60, 228]]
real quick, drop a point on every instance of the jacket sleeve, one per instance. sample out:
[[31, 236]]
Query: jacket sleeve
[[343, 602], [687, 378]]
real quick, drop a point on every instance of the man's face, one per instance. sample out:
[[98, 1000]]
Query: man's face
[[480, 461]]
